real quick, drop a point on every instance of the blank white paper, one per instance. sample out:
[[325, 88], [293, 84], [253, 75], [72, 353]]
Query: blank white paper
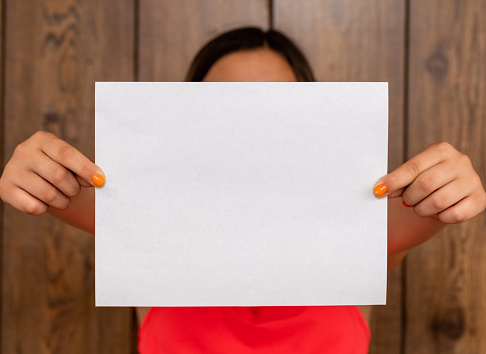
[[241, 194]]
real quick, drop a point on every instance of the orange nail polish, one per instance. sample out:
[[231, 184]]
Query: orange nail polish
[[98, 180], [405, 204], [380, 190]]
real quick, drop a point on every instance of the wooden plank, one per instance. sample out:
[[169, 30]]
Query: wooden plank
[[2, 136], [171, 32], [55, 51], [358, 41], [446, 311]]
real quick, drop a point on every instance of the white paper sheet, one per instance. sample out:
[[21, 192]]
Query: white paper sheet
[[240, 194]]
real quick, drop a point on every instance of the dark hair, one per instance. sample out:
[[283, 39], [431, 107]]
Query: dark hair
[[249, 38]]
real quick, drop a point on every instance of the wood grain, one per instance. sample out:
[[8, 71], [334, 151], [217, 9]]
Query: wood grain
[[55, 51], [445, 282], [171, 32], [2, 136], [358, 41]]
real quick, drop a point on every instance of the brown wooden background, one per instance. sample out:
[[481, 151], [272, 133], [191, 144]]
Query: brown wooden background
[[433, 53]]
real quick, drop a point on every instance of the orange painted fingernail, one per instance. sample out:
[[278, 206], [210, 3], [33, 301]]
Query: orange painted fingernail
[[380, 190], [98, 180], [405, 204]]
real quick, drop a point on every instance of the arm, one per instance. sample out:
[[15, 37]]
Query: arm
[[437, 187], [80, 212], [45, 174], [406, 230]]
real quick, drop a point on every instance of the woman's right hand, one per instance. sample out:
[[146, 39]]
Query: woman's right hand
[[44, 172]]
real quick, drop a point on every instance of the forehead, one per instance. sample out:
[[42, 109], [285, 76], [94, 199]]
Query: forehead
[[262, 64]]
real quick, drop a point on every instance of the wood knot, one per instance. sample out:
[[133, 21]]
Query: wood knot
[[53, 123], [437, 65], [449, 322]]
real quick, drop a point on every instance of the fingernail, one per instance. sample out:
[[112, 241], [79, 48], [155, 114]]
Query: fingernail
[[380, 190], [98, 180], [405, 204]]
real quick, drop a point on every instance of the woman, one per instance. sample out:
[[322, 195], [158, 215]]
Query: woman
[[436, 187]]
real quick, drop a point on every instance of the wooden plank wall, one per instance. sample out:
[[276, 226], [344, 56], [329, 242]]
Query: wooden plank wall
[[2, 75], [432, 54], [171, 32], [446, 278], [55, 51]]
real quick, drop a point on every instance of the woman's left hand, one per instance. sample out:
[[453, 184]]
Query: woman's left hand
[[440, 182]]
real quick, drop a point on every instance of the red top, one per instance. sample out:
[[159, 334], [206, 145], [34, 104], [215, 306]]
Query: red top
[[291, 329]]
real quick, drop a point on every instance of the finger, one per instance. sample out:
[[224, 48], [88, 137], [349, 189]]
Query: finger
[[43, 190], [464, 210], [82, 182], [428, 182], [404, 175], [59, 176], [395, 194], [71, 158], [25, 202], [440, 200]]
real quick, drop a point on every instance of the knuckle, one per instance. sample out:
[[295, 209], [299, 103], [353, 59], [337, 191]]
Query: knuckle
[[464, 160], [10, 173], [437, 202], [426, 183], [406, 198], [42, 135], [59, 175], [7, 179], [445, 218], [64, 204], [21, 150], [50, 196], [35, 207], [74, 190], [65, 154], [443, 146], [420, 211], [457, 216], [413, 168], [476, 181]]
